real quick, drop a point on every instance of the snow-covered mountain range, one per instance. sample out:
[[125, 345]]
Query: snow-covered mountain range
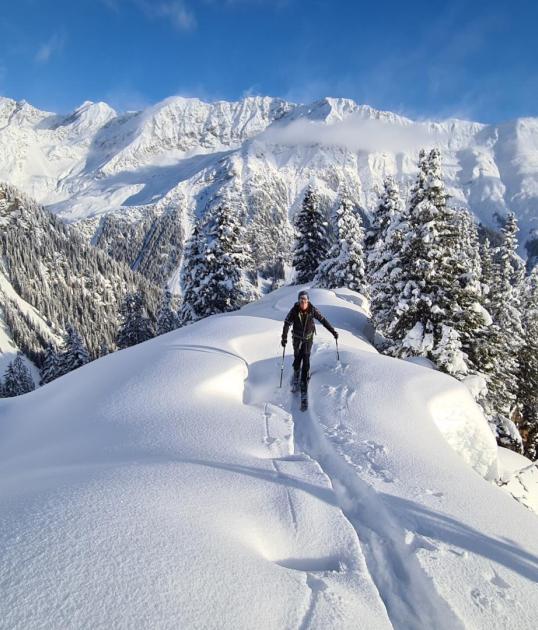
[[116, 174], [175, 485]]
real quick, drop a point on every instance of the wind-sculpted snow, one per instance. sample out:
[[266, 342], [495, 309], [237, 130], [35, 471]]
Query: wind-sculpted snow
[[174, 484]]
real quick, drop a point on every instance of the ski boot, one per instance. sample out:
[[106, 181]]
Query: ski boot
[[304, 396]]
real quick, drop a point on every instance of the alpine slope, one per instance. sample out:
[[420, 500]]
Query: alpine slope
[[176, 485]]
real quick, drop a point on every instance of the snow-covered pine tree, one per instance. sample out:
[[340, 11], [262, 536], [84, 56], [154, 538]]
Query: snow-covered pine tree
[[225, 259], [470, 317], [345, 265], [167, 318], [502, 342], [17, 378], [426, 309], [75, 353], [528, 364], [135, 326], [389, 204], [190, 277], [487, 271], [383, 251], [269, 231], [51, 364], [312, 243]]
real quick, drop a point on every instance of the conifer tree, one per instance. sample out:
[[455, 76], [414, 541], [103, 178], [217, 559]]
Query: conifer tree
[[191, 277], [469, 317], [383, 255], [345, 265], [426, 308], [503, 340], [217, 261], [167, 318], [487, 271], [135, 326], [312, 244], [75, 353], [17, 378], [51, 364], [227, 259], [528, 375]]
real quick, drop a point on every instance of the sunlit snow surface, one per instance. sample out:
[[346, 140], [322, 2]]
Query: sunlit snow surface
[[175, 485], [181, 151]]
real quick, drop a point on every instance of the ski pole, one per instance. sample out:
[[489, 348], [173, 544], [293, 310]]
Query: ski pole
[[337, 353], [282, 366]]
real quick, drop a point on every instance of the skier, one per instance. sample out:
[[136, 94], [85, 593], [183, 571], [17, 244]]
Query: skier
[[301, 318]]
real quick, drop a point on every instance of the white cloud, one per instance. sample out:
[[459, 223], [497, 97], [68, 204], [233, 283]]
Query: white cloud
[[49, 48], [177, 11], [182, 17], [356, 134]]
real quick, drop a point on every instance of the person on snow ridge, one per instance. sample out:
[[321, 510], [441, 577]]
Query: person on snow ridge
[[301, 318]]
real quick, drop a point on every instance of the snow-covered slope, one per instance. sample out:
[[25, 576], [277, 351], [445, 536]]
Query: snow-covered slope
[[50, 277], [181, 153], [174, 484]]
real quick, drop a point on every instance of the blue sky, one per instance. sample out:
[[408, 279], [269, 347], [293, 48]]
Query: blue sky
[[425, 59]]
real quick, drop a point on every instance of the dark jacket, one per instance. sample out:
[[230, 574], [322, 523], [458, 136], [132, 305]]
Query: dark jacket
[[303, 326]]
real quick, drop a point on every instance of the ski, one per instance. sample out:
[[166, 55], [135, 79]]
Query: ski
[[304, 398]]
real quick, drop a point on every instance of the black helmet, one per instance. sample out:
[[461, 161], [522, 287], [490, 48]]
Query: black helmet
[[301, 294]]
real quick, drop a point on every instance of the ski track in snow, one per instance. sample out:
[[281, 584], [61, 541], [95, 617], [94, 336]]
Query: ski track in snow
[[393, 566], [404, 583], [313, 578], [313, 575], [315, 570]]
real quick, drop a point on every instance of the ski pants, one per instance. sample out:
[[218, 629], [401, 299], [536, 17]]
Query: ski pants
[[301, 353]]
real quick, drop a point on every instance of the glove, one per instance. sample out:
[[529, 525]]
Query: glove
[[335, 334], [283, 341]]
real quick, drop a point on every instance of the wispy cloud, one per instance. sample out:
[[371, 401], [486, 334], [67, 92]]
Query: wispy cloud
[[126, 98], [438, 63], [180, 15], [275, 4], [176, 11], [52, 46], [356, 134]]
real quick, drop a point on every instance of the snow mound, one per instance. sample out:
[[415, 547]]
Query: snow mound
[[174, 484], [519, 477]]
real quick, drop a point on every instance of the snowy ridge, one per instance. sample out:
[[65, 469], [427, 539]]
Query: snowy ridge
[[174, 484], [184, 152]]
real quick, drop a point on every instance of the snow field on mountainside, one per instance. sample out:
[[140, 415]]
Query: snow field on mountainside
[[174, 484], [94, 160]]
